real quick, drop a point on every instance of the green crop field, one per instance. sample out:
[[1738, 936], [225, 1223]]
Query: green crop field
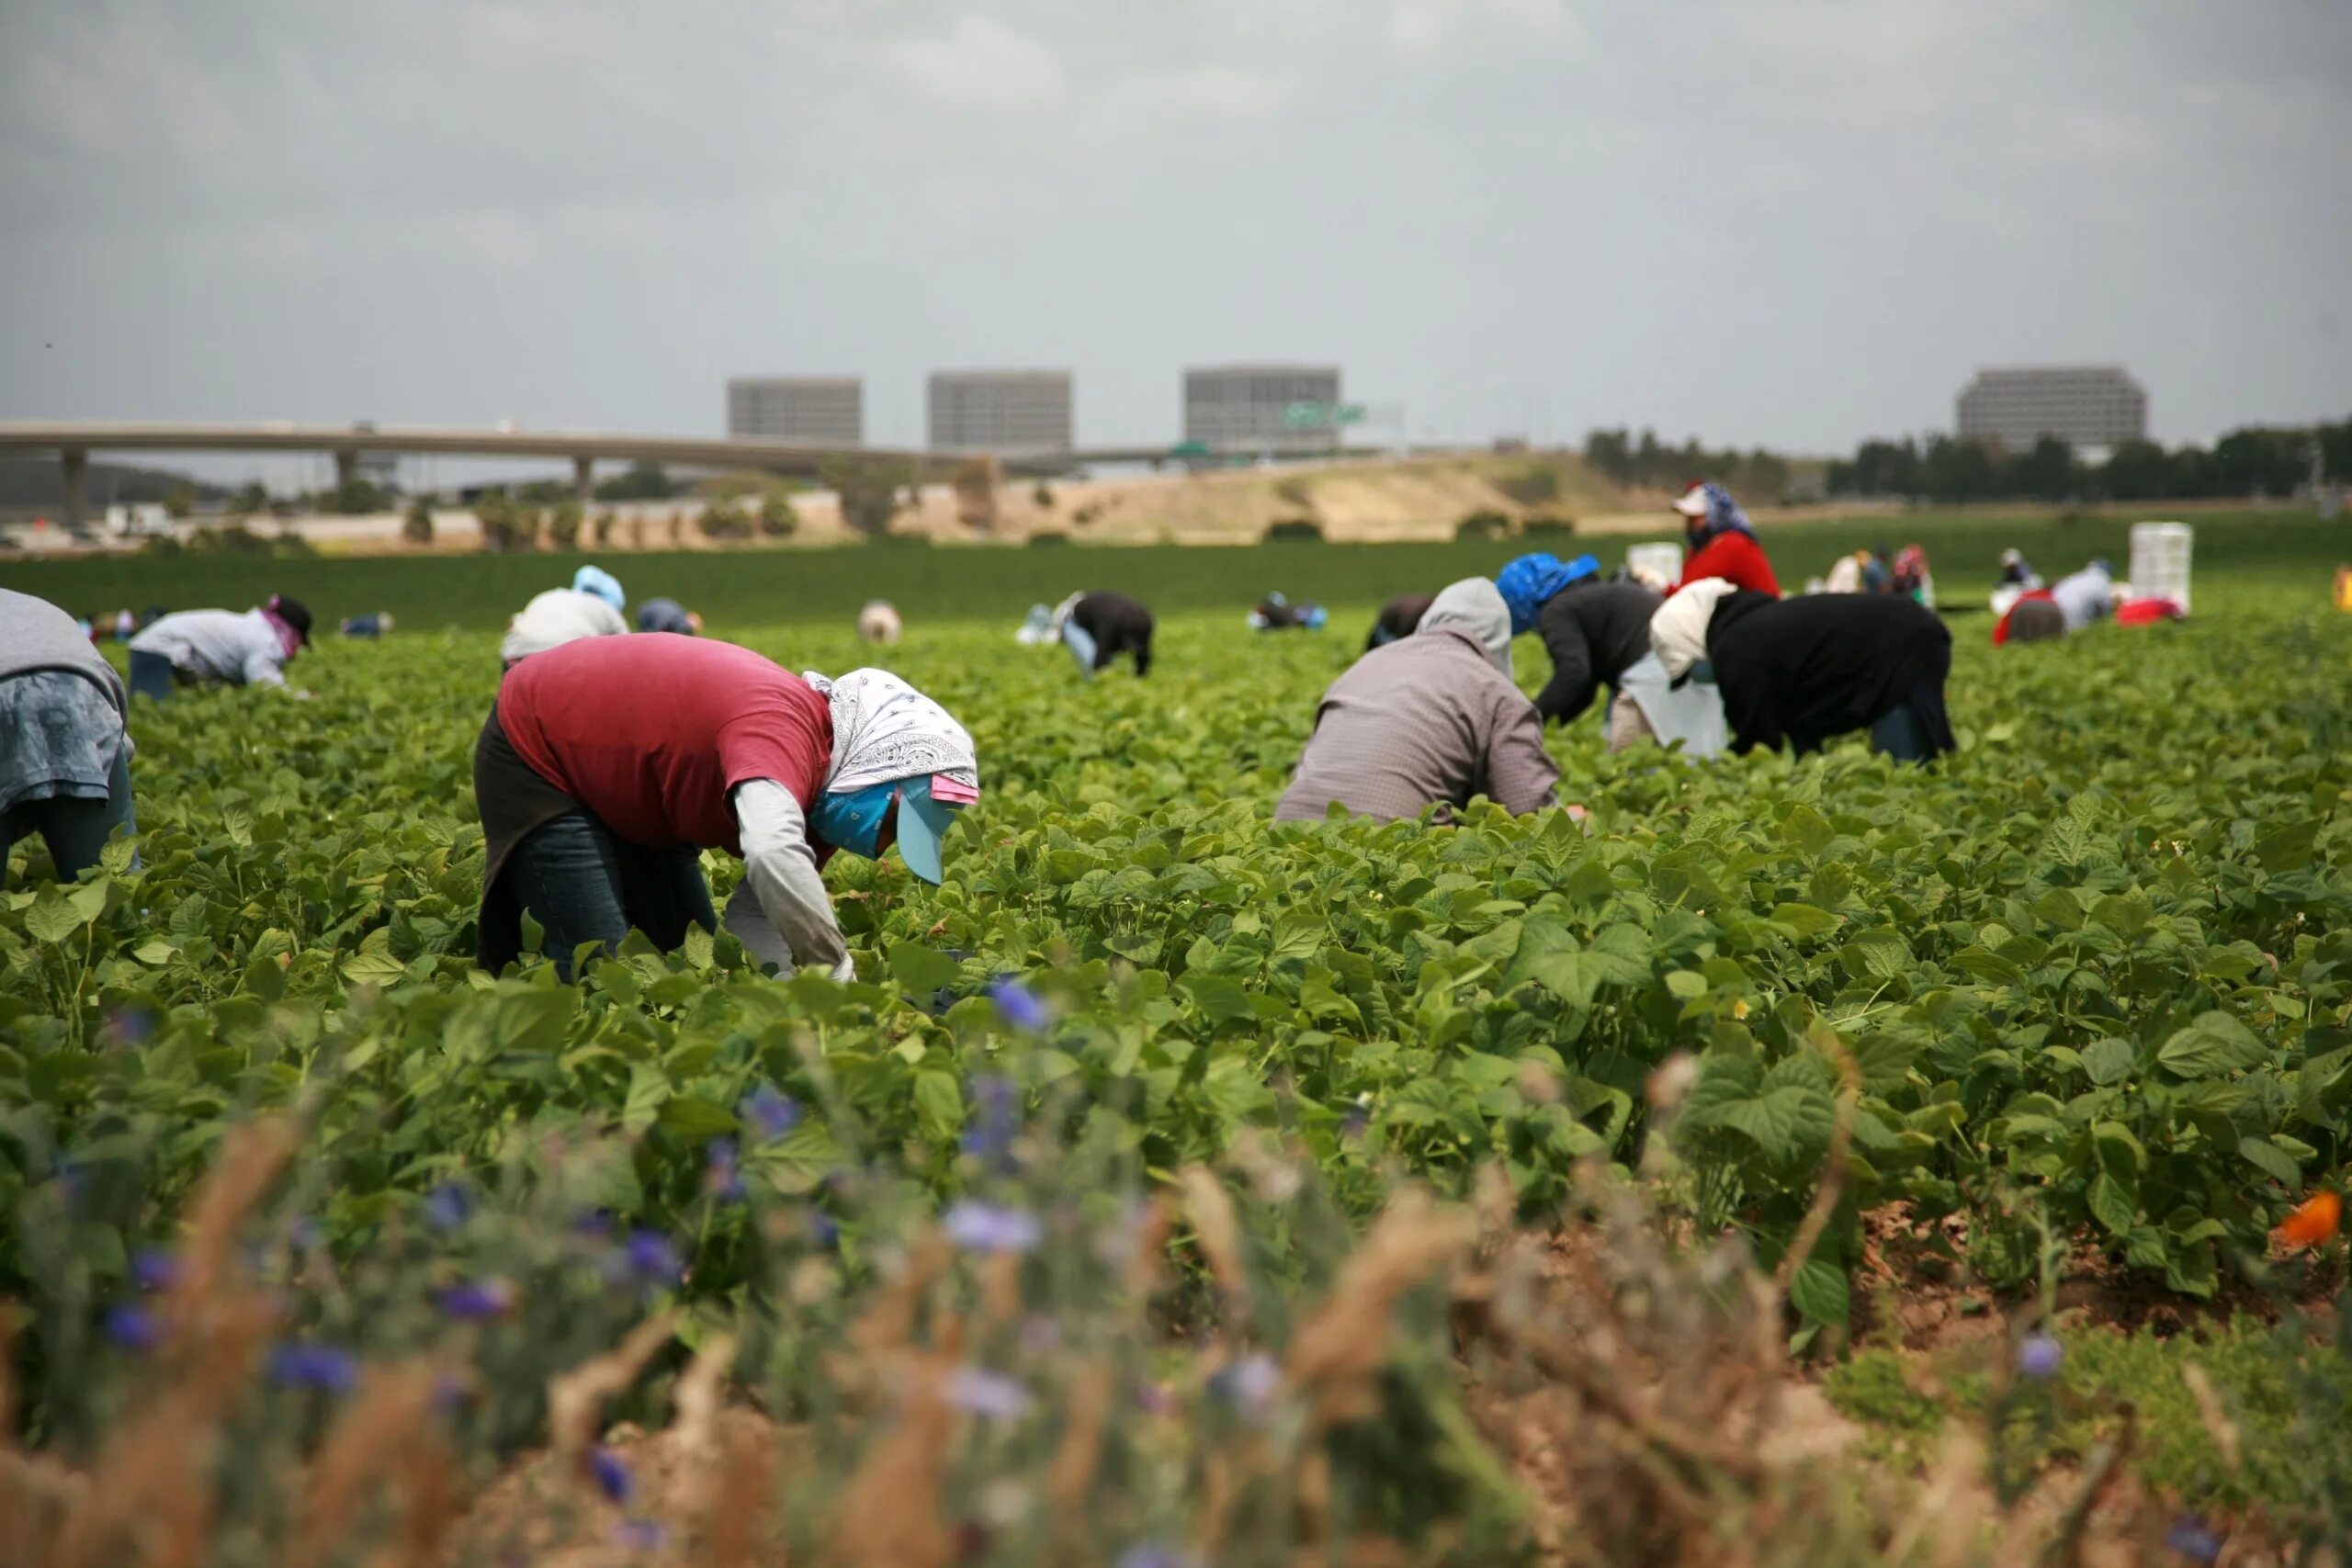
[[777, 587], [1172, 1186]]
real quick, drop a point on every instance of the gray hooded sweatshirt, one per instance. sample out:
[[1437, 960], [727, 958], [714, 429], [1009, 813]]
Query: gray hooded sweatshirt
[[1431, 719]]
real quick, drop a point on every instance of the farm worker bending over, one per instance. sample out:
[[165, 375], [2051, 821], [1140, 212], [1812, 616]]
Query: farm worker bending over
[[1804, 669], [878, 623], [2085, 595], [1276, 614], [1723, 542], [65, 757], [610, 763], [1398, 618], [668, 615], [1431, 719], [1098, 626], [192, 647], [1593, 629], [591, 606]]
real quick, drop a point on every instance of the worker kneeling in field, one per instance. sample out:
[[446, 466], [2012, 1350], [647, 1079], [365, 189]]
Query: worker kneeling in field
[[1597, 634], [1431, 719], [668, 615], [1098, 626], [610, 763], [219, 647], [1398, 618], [1804, 669], [591, 606], [64, 755]]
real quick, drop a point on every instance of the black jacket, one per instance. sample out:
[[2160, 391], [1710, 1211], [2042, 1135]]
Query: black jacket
[[1118, 625], [1593, 630], [1804, 669]]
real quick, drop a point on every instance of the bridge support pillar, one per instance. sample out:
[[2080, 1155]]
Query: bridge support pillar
[[346, 468], [583, 479], [77, 464]]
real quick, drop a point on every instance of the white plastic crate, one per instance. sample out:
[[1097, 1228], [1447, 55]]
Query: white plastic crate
[[1664, 560], [2160, 553]]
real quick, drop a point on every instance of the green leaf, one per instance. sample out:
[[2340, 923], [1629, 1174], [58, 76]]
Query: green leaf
[[2113, 1205], [918, 970], [1818, 1290], [2109, 1061], [1803, 921], [649, 1090], [693, 1116], [2271, 1160], [373, 963], [2214, 1045], [52, 917], [1807, 829], [939, 1101], [1686, 983], [2287, 848]]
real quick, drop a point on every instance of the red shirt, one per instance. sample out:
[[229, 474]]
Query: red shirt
[[1734, 557], [651, 730]]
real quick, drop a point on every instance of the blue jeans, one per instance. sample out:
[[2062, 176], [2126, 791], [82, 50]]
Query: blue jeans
[[151, 675], [75, 831], [583, 884]]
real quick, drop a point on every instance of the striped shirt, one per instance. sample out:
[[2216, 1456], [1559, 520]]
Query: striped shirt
[[1425, 720]]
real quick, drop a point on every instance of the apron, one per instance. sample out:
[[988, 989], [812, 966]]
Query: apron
[[1694, 714]]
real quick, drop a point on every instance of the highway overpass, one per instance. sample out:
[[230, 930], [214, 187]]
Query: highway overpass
[[74, 441]]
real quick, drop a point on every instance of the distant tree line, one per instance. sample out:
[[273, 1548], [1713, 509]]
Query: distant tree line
[[2255, 461], [1651, 464]]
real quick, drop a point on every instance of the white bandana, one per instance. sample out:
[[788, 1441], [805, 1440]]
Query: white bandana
[[885, 731], [1679, 630]]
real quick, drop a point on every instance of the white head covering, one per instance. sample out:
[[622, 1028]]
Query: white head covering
[[885, 731], [1679, 630], [1474, 606]]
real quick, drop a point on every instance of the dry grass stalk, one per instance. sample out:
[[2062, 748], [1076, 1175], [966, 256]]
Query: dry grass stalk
[[432, 1501], [388, 1415], [1147, 1267], [2217, 1421], [888, 1325], [1070, 1477], [1339, 1348], [698, 1397], [892, 1512], [1210, 1209], [575, 1399], [252, 1159], [1001, 1287], [741, 1500]]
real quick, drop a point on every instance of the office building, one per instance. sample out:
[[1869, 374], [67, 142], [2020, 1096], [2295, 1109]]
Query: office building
[[1248, 406], [1000, 411], [817, 410], [2083, 405]]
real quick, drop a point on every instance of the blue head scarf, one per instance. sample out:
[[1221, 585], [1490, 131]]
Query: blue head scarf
[[1724, 517], [602, 584], [1529, 582]]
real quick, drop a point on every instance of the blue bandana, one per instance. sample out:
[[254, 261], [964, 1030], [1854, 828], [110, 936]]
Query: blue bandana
[[1529, 582], [853, 821]]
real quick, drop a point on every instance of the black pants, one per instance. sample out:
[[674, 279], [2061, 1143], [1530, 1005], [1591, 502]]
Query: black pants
[[583, 884], [75, 831]]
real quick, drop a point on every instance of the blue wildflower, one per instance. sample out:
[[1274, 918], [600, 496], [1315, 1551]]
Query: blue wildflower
[[992, 1396], [1248, 1384], [1156, 1554], [2038, 1356], [653, 1258], [991, 1227], [722, 1172], [990, 1136], [1355, 1122], [448, 1207], [303, 1233], [322, 1367], [472, 1300], [152, 1268], [1019, 1006], [823, 1229], [640, 1535], [596, 1224], [2193, 1538], [770, 1115], [611, 1474], [132, 1326]]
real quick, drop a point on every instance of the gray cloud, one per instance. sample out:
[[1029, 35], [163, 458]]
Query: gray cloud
[[1794, 223]]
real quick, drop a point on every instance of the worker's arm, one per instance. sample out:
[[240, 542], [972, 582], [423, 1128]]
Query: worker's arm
[[781, 912], [265, 667], [1520, 775], [1573, 683]]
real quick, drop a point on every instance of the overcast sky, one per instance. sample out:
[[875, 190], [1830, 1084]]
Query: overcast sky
[[1784, 222]]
